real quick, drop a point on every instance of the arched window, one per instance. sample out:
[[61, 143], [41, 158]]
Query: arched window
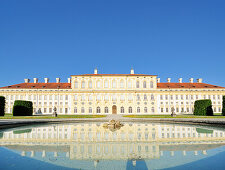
[[82, 109], [98, 84], [90, 109], [129, 84], [121, 84], [76, 84], [145, 97], [106, 84], [122, 109], [146, 110], [114, 84], [83, 84], [90, 84], [137, 84], [98, 110], [144, 84], [75, 109], [153, 110], [138, 110], [130, 109], [152, 97], [151, 84], [106, 110]]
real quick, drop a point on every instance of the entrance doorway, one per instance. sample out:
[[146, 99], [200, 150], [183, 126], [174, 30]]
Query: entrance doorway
[[114, 110]]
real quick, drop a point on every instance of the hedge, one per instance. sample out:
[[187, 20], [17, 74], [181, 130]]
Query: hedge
[[22, 131], [203, 107], [2, 105], [22, 108], [223, 109], [201, 130]]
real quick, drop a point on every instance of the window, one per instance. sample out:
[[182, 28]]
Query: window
[[144, 84], [138, 97], [114, 84], [98, 98], [146, 110], [122, 110], [138, 110], [130, 109], [90, 109], [122, 98], [98, 110], [76, 84], [114, 98], [145, 97], [90, 84], [106, 97], [153, 109], [152, 97], [66, 97], [129, 97], [82, 110], [83, 84], [151, 84], [106, 84], [106, 110], [161, 110], [161, 97], [137, 84], [90, 97], [66, 110], [121, 84], [98, 84], [129, 84], [83, 97], [75, 97]]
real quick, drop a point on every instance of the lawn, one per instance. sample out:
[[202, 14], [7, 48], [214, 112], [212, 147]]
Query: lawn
[[10, 116], [216, 115]]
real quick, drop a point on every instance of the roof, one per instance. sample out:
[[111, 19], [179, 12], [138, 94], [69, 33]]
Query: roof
[[113, 75], [68, 86], [39, 86], [187, 86]]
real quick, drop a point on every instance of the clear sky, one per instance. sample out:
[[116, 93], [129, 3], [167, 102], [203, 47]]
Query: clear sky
[[59, 38]]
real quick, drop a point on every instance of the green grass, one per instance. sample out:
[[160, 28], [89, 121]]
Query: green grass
[[10, 116], [216, 116]]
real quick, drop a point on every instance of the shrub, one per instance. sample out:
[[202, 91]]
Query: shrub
[[2, 105], [22, 131], [22, 108], [223, 109], [203, 107]]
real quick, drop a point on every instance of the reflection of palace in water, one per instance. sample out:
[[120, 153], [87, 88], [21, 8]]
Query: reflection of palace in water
[[132, 141]]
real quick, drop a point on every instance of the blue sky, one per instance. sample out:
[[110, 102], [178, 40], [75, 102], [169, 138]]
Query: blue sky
[[59, 38]]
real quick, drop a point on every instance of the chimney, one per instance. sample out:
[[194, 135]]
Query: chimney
[[191, 80], [35, 80], [46, 80], [96, 71], [57, 80], [199, 80], [132, 71], [69, 80], [180, 80], [26, 80], [158, 80], [168, 80]]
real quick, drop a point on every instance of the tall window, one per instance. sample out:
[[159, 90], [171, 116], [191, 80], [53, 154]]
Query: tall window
[[153, 110], [145, 97], [121, 84], [98, 97], [98, 84], [137, 84], [75, 97], [130, 109], [90, 97], [146, 110], [122, 109], [151, 84], [82, 109], [75, 109], [122, 98], [90, 84], [129, 84], [106, 110], [106, 97], [106, 84], [129, 97], [83, 97], [138, 110], [144, 84], [138, 97], [114, 97], [114, 84], [90, 109], [152, 97], [76, 84], [83, 84], [98, 110]]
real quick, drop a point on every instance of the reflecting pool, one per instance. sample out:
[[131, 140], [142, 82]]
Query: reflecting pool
[[132, 146]]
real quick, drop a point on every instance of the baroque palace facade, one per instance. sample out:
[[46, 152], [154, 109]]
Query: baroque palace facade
[[113, 94]]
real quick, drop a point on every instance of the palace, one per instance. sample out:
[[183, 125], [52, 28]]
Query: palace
[[113, 94]]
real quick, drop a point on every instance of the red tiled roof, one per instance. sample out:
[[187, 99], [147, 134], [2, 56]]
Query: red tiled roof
[[68, 86], [186, 85], [113, 75], [39, 86]]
